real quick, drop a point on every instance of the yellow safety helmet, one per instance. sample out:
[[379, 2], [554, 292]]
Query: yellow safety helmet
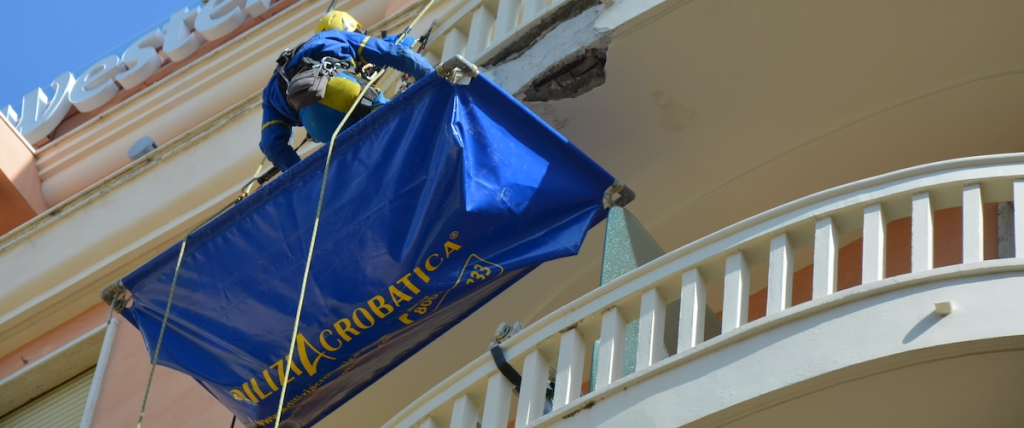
[[338, 20]]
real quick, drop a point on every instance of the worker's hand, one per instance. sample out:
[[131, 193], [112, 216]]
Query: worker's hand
[[408, 41]]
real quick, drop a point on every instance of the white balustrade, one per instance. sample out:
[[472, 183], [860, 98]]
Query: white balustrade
[[650, 342], [1018, 218], [508, 17], [974, 228], [480, 30], [728, 257], [826, 258], [921, 239], [533, 391], [737, 292], [464, 413], [613, 348], [780, 274], [533, 8], [488, 28], [454, 43], [692, 304], [570, 374], [497, 403], [873, 263]]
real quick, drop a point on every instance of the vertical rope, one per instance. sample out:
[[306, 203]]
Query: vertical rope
[[319, 209], [312, 245], [163, 327], [170, 298]]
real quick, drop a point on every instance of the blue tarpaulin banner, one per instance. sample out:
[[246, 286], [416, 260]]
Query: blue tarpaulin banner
[[435, 203]]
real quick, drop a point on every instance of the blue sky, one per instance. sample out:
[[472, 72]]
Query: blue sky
[[40, 39]]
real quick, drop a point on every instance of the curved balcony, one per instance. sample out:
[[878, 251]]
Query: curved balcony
[[879, 323]]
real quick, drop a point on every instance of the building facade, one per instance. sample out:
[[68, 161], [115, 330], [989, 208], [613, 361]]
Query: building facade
[[833, 181]]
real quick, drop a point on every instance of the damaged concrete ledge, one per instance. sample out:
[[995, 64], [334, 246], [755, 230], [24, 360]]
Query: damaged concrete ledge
[[563, 58]]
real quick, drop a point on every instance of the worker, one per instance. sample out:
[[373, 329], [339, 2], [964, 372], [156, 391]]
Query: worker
[[340, 47]]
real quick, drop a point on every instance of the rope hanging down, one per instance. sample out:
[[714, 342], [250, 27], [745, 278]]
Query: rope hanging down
[[319, 209], [163, 326], [170, 298]]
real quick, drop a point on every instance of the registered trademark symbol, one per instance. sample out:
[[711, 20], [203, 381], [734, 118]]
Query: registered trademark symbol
[[454, 235]]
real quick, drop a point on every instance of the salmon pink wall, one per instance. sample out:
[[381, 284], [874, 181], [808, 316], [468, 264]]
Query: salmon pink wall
[[21, 192], [175, 399]]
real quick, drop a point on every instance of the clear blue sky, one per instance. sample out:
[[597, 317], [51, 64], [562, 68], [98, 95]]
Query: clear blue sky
[[40, 39]]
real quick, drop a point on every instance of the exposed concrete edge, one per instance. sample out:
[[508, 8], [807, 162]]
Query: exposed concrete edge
[[779, 319], [525, 38], [561, 42]]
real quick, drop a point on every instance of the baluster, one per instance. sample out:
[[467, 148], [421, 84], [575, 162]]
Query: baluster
[[780, 274], [464, 413], [692, 302], [497, 402], [652, 329], [533, 390], [921, 233], [532, 9], [873, 264], [429, 423], [569, 378], [613, 347], [1018, 217], [825, 258], [507, 19], [454, 44], [974, 229], [737, 292], [479, 31]]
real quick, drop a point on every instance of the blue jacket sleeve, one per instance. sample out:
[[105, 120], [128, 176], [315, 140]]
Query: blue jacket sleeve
[[277, 129], [399, 57]]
